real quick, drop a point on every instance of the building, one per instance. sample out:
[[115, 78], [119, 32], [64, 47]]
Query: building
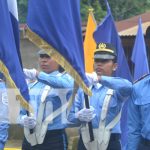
[[127, 30]]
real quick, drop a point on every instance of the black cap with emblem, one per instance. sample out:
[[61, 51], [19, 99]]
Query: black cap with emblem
[[105, 51]]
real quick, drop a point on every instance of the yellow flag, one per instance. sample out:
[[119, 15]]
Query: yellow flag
[[89, 43]]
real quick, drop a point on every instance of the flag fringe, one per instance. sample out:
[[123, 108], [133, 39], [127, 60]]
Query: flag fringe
[[38, 41], [19, 97]]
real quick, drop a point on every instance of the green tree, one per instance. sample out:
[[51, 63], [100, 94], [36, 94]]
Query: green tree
[[22, 10], [98, 12], [121, 9]]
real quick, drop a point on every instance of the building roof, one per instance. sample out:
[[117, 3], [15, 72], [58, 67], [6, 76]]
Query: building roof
[[129, 26]]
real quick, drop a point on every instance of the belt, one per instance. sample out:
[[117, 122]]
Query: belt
[[115, 136], [53, 132], [145, 142]]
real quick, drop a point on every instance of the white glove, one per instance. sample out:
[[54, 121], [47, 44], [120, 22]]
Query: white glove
[[28, 122], [30, 73], [92, 77], [86, 114]]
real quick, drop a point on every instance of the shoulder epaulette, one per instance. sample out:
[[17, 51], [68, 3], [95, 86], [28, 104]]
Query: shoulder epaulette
[[145, 75]]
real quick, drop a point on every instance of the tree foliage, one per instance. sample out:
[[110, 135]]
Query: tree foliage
[[121, 9], [22, 10]]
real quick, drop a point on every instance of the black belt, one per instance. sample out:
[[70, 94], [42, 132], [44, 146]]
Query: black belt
[[115, 137], [145, 141], [53, 132]]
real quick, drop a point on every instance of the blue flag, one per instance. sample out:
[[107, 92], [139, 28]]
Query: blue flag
[[9, 61], [139, 56], [107, 32], [12, 6], [54, 25]]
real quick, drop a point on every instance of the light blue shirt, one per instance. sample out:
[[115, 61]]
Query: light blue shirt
[[138, 113], [58, 82], [122, 88], [4, 121]]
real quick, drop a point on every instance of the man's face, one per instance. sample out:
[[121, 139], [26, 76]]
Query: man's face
[[47, 64], [104, 67]]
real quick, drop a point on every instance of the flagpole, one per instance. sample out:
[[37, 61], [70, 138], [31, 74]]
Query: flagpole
[[89, 123], [31, 130], [85, 95]]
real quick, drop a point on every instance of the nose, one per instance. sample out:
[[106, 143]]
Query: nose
[[99, 63]]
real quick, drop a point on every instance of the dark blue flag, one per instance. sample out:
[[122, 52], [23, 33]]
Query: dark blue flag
[[9, 61], [139, 56], [54, 25], [107, 32]]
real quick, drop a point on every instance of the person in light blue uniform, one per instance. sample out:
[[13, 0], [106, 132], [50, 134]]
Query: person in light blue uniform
[[104, 65], [138, 116], [56, 97], [4, 121]]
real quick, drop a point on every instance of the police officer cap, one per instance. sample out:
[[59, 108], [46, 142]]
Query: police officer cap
[[105, 51]]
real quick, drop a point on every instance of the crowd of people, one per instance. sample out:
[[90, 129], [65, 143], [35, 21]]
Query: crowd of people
[[50, 92]]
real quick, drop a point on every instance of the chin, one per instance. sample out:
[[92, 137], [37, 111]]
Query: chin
[[99, 73]]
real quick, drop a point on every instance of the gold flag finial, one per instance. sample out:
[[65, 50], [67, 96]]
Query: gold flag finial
[[91, 9]]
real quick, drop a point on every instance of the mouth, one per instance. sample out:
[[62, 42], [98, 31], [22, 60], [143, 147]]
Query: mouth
[[99, 70], [43, 66]]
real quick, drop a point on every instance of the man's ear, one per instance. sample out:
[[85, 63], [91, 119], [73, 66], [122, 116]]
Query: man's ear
[[115, 67]]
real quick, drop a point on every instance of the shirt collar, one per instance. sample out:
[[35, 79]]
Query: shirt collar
[[54, 72], [97, 85]]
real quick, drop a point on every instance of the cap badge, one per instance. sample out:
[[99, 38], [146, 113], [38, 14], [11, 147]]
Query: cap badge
[[102, 46]]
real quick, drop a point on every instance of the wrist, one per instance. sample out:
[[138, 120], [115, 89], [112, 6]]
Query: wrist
[[77, 115]]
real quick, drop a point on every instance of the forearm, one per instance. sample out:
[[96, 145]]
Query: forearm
[[122, 86], [73, 121], [64, 81]]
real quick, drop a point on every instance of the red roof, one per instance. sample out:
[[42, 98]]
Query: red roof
[[129, 26]]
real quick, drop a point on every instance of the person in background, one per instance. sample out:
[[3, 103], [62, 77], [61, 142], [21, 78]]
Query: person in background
[[108, 96], [48, 95], [4, 121], [138, 122]]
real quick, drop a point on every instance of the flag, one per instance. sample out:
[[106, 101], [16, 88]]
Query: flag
[[89, 42], [59, 33], [107, 32], [12, 6], [9, 61], [139, 56]]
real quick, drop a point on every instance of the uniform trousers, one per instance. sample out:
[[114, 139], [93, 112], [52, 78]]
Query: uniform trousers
[[144, 144], [54, 140], [114, 143]]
